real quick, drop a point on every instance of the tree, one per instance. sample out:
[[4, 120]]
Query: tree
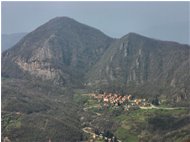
[[155, 101]]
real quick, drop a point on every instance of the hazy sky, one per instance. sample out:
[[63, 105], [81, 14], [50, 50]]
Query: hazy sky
[[162, 20]]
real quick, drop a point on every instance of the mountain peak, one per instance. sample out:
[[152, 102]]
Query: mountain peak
[[62, 18], [58, 23], [133, 35]]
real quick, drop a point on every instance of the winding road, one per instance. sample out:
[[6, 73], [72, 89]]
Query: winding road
[[166, 108], [89, 131]]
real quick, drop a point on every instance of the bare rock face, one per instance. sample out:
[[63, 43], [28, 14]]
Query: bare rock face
[[6, 139], [38, 64], [38, 69]]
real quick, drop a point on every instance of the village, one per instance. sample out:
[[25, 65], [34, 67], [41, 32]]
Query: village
[[114, 101], [101, 103], [126, 102]]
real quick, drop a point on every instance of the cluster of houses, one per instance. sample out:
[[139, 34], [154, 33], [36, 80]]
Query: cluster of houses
[[116, 100]]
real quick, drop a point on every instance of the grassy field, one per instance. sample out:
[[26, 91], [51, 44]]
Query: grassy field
[[134, 122]]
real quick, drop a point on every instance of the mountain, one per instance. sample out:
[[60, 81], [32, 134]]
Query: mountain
[[61, 51], [150, 65], [37, 74], [8, 40]]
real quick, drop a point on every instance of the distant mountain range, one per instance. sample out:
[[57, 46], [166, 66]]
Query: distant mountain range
[[68, 53], [9, 40]]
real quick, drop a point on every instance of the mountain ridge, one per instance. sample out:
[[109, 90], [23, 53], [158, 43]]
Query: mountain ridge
[[133, 34], [66, 52]]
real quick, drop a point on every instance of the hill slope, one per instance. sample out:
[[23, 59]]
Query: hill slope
[[34, 111]]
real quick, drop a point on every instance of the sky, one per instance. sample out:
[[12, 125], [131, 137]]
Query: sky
[[160, 20]]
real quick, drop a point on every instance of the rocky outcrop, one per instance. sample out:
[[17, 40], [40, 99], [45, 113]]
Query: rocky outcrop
[[6, 139], [39, 69]]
